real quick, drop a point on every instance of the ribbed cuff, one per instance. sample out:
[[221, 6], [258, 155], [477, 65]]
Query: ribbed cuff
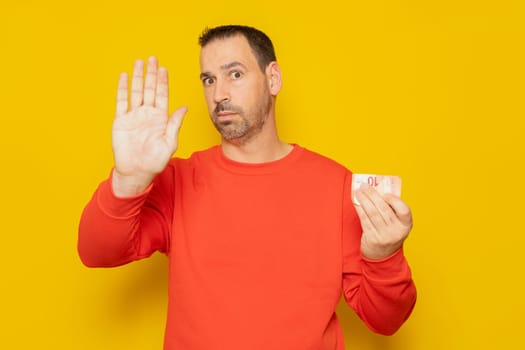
[[119, 207], [393, 267]]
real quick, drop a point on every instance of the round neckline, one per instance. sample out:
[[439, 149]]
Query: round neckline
[[257, 168]]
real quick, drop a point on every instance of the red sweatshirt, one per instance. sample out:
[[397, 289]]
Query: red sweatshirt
[[259, 254]]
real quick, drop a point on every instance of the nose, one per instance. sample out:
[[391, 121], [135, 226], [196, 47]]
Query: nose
[[220, 93]]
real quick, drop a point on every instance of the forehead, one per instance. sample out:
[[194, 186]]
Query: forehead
[[219, 52]]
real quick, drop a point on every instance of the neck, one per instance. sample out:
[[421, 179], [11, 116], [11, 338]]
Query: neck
[[261, 148]]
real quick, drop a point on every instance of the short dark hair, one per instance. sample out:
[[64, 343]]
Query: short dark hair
[[260, 43]]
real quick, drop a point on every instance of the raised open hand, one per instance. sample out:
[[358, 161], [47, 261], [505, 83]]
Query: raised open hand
[[144, 136]]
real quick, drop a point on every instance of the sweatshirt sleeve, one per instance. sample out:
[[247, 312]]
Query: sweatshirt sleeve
[[382, 291], [114, 231]]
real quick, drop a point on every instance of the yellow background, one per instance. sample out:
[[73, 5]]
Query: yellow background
[[428, 90]]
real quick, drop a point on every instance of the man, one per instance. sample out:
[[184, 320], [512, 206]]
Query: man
[[262, 236]]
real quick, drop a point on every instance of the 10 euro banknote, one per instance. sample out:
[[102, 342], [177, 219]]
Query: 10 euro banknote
[[382, 183]]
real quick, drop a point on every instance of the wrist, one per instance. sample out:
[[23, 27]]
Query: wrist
[[129, 185], [380, 252]]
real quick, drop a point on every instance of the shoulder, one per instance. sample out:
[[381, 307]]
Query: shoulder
[[195, 158], [181, 169], [321, 163]]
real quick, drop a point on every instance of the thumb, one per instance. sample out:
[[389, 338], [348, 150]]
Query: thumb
[[174, 124]]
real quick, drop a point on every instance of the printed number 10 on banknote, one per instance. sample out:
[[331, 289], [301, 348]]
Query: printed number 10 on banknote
[[382, 183]]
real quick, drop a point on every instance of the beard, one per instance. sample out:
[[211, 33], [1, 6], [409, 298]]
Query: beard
[[247, 124]]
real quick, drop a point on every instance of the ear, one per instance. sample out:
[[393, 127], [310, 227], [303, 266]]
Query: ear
[[273, 74]]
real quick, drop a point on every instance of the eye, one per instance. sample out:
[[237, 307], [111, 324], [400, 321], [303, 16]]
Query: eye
[[235, 74], [208, 81]]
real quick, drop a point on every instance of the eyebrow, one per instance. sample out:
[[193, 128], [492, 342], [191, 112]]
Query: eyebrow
[[224, 67], [232, 64]]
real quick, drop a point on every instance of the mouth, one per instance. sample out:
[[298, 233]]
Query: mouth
[[225, 115]]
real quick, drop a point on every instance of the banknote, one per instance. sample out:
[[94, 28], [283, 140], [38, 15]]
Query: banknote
[[382, 183]]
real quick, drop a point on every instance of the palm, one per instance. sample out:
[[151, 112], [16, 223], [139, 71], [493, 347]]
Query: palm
[[140, 143]]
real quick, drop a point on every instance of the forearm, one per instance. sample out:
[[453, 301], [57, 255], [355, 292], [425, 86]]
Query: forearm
[[109, 228], [384, 294]]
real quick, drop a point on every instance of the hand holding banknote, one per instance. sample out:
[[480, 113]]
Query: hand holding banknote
[[386, 220]]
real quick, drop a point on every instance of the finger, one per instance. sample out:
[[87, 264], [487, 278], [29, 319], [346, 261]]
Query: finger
[[400, 208], [161, 97], [369, 208], [366, 225], [137, 84], [150, 83], [174, 124], [383, 208], [122, 95]]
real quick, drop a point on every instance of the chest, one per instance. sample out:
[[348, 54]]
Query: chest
[[286, 230]]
